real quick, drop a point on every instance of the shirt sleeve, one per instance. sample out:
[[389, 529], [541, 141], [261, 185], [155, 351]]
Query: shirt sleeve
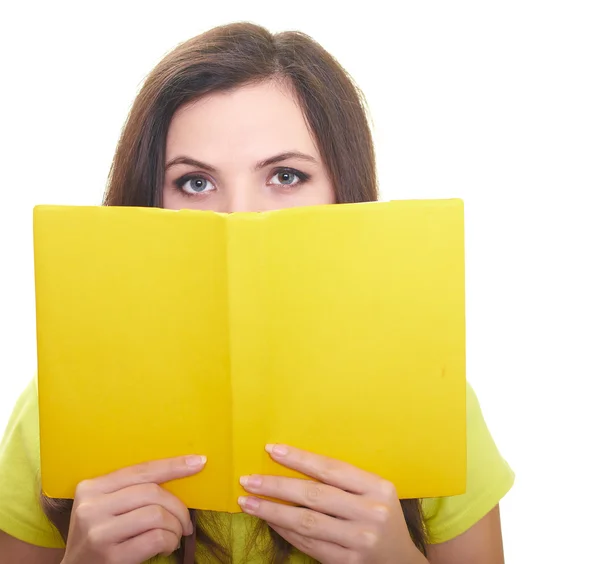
[[21, 515], [489, 478]]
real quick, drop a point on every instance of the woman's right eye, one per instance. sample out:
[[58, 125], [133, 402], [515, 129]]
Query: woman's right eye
[[194, 184]]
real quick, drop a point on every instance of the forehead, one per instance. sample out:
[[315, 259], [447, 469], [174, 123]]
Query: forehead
[[251, 122]]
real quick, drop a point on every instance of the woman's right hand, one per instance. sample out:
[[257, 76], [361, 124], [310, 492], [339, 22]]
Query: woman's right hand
[[126, 517]]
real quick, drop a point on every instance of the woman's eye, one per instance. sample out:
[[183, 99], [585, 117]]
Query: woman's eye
[[195, 185], [287, 178]]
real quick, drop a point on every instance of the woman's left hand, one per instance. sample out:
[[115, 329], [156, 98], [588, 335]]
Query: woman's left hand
[[346, 516]]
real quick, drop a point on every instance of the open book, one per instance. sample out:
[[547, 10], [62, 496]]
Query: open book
[[337, 329]]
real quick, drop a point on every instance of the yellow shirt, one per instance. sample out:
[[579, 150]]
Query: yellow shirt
[[489, 478]]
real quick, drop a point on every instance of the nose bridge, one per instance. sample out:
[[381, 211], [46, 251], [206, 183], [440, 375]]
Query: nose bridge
[[241, 197]]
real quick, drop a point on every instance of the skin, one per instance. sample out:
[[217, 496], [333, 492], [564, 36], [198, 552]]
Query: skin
[[245, 151], [238, 135]]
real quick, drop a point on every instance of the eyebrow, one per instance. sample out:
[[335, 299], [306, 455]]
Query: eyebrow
[[260, 165], [284, 157]]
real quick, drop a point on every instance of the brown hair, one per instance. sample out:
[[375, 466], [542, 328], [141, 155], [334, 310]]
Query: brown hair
[[221, 59]]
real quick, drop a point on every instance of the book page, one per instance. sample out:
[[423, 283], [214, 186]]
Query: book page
[[367, 340], [133, 345]]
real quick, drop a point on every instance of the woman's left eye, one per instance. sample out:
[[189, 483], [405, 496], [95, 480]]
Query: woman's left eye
[[288, 177]]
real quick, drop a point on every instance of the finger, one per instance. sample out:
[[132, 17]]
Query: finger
[[307, 493], [327, 470], [157, 542], [305, 522], [321, 551], [156, 471], [141, 495], [134, 523]]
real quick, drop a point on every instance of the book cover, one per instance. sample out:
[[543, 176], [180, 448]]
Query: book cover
[[337, 329]]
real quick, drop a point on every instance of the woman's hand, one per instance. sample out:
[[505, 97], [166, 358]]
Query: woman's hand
[[347, 516], [126, 517]]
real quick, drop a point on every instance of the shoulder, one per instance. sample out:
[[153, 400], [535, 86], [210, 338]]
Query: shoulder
[[21, 515], [489, 478]]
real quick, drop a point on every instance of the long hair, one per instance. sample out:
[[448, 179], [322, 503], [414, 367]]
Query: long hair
[[334, 108]]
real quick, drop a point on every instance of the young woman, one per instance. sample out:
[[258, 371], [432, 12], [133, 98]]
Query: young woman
[[238, 120]]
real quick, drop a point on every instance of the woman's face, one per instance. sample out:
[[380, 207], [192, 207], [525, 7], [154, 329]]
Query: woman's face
[[245, 150]]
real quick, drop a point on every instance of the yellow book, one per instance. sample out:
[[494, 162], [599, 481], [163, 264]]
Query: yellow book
[[337, 329]]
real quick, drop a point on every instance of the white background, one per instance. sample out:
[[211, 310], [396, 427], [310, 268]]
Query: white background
[[497, 103]]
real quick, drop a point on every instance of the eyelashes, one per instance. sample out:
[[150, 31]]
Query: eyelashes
[[283, 172], [196, 184]]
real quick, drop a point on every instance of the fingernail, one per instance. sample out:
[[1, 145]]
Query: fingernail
[[190, 529], [251, 481], [276, 450], [248, 504], [195, 461]]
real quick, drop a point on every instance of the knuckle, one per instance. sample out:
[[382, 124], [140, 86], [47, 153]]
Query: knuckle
[[308, 521], [158, 540], [368, 539], [96, 539], [306, 544], [388, 489], [380, 513], [274, 483], [152, 490], [157, 515], [326, 474], [313, 492], [142, 472], [84, 488], [84, 512], [170, 543]]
